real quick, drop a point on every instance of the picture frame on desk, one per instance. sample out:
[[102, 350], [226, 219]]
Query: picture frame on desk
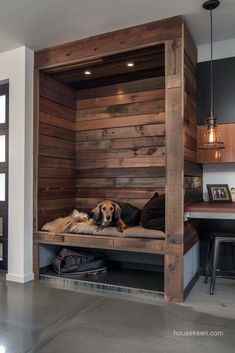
[[219, 193]]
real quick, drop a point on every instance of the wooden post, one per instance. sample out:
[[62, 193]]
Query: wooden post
[[36, 266], [174, 168]]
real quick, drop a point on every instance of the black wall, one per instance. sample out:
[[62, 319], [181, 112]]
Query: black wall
[[224, 90], [224, 109]]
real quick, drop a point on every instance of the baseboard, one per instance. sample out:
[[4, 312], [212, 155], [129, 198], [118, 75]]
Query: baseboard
[[19, 278]]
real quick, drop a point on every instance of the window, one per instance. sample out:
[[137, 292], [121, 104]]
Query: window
[[1, 226], [2, 148], [3, 174], [2, 187], [2, 109]]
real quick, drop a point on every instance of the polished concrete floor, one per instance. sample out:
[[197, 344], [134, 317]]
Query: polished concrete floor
[[37, 318]]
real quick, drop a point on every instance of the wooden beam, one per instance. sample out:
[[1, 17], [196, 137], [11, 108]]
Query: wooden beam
[[111, 43], [174, 278], [174, 143], [174, 227]]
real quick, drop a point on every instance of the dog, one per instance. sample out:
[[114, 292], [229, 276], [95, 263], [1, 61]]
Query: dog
[[108, 214]]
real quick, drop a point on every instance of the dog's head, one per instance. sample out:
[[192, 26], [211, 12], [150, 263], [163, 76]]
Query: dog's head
[[106, 212]]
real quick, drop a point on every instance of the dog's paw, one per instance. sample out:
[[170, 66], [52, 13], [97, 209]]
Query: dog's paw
[[99, 228], [121, 229]]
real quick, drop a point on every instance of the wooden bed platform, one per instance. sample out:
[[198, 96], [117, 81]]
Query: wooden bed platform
[[119, 132]]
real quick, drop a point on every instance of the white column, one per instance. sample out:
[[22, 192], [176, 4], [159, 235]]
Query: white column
[[16, 66]]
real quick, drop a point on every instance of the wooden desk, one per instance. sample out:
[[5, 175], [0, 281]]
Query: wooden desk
[[209, 210]]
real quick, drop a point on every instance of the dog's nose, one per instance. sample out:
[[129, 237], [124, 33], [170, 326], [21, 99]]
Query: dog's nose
[[108, 218]]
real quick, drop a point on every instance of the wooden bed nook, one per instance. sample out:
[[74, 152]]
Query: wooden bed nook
[[115, 118]]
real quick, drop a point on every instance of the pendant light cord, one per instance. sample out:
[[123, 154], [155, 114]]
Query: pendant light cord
[[212, 93]]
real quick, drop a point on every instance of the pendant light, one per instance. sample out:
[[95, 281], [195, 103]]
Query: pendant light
[[211, 137]]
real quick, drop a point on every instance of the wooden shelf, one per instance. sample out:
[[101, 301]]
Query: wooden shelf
[[153, 246], [211, 207]]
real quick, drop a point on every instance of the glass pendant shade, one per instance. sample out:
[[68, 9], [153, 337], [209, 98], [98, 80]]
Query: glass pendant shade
[[211, 138]]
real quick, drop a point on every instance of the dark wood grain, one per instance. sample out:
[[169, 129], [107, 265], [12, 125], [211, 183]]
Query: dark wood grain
[[56, 154], [110, 43], [211, 207], [135, 128]]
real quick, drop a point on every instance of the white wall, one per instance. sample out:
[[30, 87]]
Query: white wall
[[218, 174], [16, 66], [221, 50], [191, 264]]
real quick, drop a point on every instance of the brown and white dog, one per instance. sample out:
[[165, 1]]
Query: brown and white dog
[[108, 214]]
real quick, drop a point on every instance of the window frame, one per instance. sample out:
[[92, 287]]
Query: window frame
[[4, 130]]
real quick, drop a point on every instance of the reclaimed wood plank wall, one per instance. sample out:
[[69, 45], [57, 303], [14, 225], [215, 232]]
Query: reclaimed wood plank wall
[[120, 142], [192, 170], [56, 150]]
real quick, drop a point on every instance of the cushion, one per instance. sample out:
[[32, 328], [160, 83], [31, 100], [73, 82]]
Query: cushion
[[153, 213], [132, 232]]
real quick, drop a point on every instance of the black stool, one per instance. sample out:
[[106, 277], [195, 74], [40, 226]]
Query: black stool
[[215, 240]]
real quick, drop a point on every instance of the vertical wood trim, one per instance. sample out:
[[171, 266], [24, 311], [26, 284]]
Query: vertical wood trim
[[36, 267], [35, 146], [174, 227], [174, 278], [174, 142]]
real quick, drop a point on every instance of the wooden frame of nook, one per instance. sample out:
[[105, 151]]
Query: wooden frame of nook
[[180, 135]]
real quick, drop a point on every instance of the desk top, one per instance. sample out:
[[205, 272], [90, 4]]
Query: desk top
[[211, 207]]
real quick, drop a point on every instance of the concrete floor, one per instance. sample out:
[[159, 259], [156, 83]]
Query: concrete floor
[[36, 318]]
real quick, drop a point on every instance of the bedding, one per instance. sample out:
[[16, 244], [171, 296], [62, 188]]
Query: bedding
[[132, 232]]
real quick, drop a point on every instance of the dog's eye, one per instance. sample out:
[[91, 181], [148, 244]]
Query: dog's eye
[[111, 208], [104, 208]]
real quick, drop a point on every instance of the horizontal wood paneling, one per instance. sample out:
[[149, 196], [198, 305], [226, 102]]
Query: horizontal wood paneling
[[114, 111], [110, 43], [121, 99], [56, 158], [90, 203], [120, 172], [122, 132], [50, 107], [122, 153], [57, 92], [118, 193], [121, 182], [57, 121], [120, 142], [116, 89], [122, 162], [192, 169], [125, 121]]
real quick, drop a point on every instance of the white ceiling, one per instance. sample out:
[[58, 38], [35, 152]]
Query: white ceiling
[[44, 23]]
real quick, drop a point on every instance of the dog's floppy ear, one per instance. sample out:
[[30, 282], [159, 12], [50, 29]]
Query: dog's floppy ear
[[96, 213], [117, 212]]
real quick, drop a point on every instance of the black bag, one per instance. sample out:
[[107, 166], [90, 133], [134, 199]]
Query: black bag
[[69, 261], [153, 213]]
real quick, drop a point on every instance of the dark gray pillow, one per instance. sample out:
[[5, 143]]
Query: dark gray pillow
[[153, 213]]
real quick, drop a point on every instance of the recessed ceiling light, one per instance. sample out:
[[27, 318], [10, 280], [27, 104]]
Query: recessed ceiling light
[[87, 72], [130, 64]]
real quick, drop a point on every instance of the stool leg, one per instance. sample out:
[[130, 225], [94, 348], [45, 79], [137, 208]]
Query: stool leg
[[208, 259], [233, 253], [214, 265]]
